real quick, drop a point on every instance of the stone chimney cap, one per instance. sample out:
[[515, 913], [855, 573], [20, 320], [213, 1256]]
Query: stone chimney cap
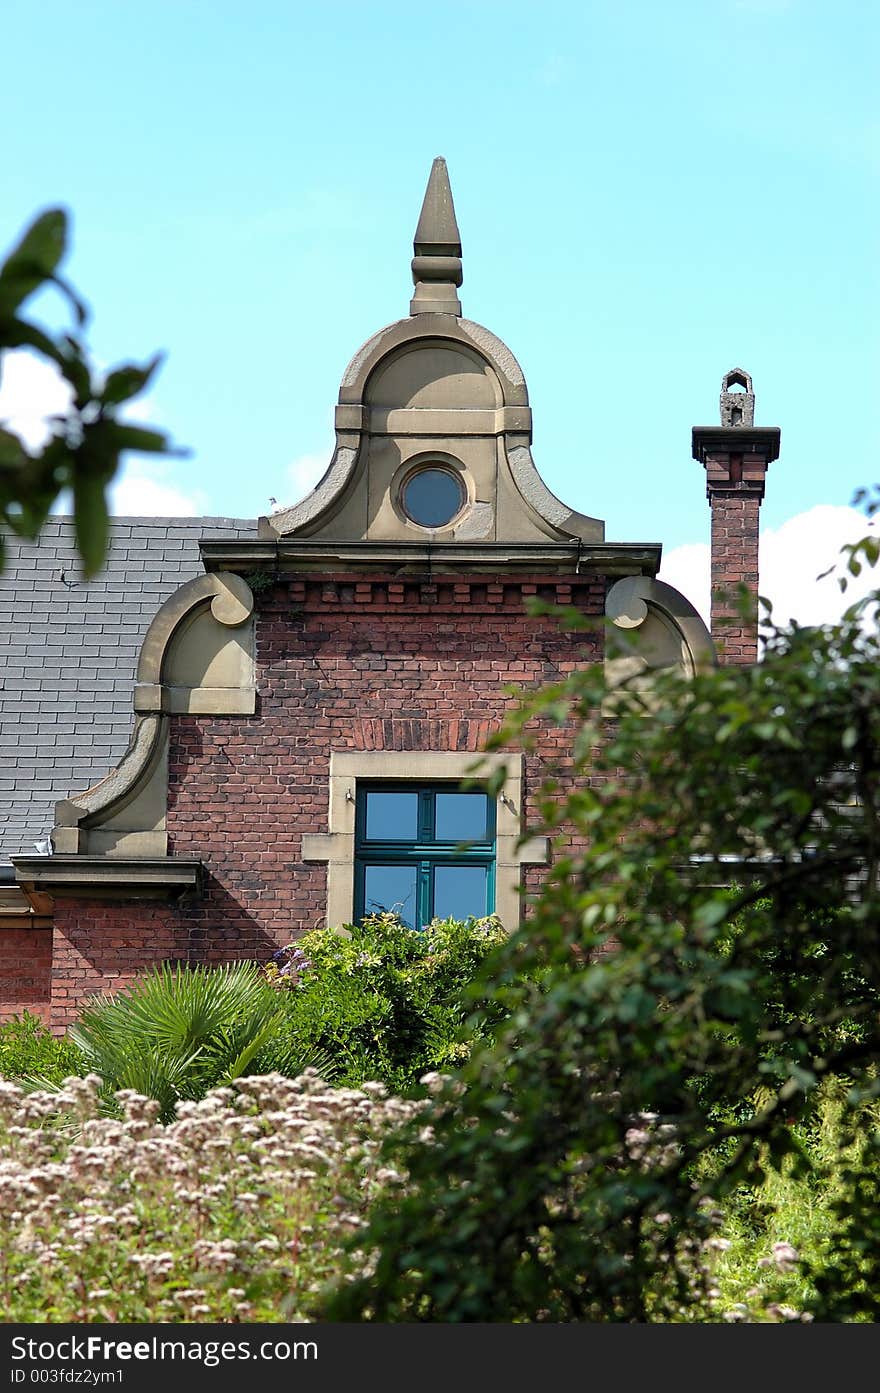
[[737, 408], [738, 377]]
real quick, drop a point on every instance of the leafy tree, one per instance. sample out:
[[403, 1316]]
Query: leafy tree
[[710, 957], [85, 444]]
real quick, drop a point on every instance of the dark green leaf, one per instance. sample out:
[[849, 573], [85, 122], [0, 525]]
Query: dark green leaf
[[75, 368], [33, 261], [12, 451], [91, 519], [126, 437], [127, 381], [17, 333], [78, 306]]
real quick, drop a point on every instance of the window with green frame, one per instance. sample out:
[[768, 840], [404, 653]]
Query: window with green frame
[[426, 851]]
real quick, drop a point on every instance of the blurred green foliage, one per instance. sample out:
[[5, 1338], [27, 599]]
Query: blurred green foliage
[[86, 442]]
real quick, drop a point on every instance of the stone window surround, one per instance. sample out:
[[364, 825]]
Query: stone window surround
[[336, 847]]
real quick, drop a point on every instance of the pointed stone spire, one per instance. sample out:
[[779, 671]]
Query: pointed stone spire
[[436, 267]]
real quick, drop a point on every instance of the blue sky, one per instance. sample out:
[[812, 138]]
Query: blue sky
[[648, 195]]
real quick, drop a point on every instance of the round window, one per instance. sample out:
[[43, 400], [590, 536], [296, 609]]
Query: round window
[[432, 496]]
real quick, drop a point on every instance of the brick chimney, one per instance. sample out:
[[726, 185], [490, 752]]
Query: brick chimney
[[735, 455]]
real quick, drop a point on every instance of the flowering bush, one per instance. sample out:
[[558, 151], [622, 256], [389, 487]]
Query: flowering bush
[[235, 1211]]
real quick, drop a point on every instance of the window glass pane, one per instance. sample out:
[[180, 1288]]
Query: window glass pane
[[460, 817], [460, 891], [432, 497], [391, 888], [392, 817]]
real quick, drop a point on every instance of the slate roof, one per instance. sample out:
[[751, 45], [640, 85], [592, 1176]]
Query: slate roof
[[68, 651]]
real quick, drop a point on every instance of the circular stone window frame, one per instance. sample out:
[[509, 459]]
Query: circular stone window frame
[[418, 464]]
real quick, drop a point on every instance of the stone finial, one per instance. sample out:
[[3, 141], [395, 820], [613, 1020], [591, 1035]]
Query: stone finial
[[436, 267], [737, 408]]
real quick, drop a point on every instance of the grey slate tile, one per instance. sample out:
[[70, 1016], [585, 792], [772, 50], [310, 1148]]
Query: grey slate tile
[[68, 651]]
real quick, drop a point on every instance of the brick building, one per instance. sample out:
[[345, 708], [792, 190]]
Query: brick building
[[303, 694]]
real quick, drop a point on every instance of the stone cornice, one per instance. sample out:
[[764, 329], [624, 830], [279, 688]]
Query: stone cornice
[[740, 440], [114, 877], [282, 556]]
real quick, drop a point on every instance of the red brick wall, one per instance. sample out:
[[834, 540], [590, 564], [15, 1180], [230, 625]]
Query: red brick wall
[[734, 562], [346, 665], [25, 972], [100, 946], [342, 664]]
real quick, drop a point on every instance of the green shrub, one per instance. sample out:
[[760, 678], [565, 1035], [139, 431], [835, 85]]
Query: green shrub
[[780, 1241], [29, 1051], [384, 1001], [376, 1002], [179, 1031]]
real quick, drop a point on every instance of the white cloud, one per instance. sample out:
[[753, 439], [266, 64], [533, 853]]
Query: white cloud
[[793, 555], [148, 489], [687, 568], [31, 390], [791, 558], [305, 471], [301, 476]]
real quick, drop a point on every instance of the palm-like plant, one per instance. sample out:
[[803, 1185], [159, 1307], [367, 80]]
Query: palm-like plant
[[180, 1030]]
